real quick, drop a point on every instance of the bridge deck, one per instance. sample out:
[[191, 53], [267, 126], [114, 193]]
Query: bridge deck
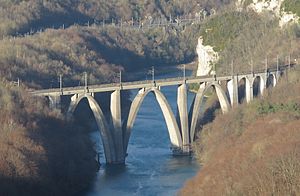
[[135, 85]]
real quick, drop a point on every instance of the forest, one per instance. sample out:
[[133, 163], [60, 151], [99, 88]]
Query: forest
[[44, 154]]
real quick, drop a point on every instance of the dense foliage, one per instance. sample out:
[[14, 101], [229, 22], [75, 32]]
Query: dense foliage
[[292, 6], [246, 39], [21, 16], [254, 149], [40, 154], [39, 59]]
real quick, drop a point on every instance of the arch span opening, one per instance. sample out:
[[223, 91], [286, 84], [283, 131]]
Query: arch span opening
[[257, 91], [106, 135], [271, 81], [170, 120], [259, 85], [200, 100], [242, 90]]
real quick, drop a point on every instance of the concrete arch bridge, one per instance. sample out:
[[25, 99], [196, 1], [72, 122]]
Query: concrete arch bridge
[[115, 129]]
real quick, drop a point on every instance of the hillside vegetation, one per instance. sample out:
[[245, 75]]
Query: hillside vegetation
[[67, 46], [20, 16], [43, 154], [254, 149], [101, 52], [292, 6], [40, 154], [247, 39]]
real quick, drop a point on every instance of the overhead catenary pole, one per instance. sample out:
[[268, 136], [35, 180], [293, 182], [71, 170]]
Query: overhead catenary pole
[[153, 72], [60, 83], [232, 71], [215, 69], [266, 64], [120, 77], [277, 67], [183, 72], [85, 81], [289, 61], [252, 68]]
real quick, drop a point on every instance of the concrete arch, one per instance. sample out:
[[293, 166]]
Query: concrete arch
[[261, 84], [248, 86], [274, 79], [225, 106], [106, 135], [53, 101], [173, 129]]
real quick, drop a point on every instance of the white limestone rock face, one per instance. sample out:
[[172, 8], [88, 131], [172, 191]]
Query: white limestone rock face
[[288, 18], [207, 57], [273, 6], [266, 5]]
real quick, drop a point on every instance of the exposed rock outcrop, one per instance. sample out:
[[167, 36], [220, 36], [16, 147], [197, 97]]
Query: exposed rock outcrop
[[207, 57], [273, 6]]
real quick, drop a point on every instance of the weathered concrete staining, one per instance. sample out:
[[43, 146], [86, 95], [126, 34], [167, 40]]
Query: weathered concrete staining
[[115, 131]]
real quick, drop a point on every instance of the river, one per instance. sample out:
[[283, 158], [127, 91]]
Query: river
[[150, 167]]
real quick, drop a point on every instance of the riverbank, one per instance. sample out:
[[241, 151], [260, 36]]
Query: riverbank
[[254, 149]]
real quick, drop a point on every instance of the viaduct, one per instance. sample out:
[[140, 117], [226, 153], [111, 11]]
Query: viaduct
[[115, 129]]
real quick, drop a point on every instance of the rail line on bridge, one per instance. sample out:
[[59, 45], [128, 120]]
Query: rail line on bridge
[[139, 84], [115, 127]]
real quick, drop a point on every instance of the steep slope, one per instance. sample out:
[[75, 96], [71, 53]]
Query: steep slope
[[249, 34], [254, 149], [41, 153], [101, 52], [22, 15]]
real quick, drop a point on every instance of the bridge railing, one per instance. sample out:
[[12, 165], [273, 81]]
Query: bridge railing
[[177, 80]]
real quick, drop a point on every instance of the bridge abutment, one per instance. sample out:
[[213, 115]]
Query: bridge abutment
[[55, 102]]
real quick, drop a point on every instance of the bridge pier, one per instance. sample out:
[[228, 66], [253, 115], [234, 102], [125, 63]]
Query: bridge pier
[[249, 90], [232, 87], [116, 121], [263, 83], [183, 117], [115, 131]]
